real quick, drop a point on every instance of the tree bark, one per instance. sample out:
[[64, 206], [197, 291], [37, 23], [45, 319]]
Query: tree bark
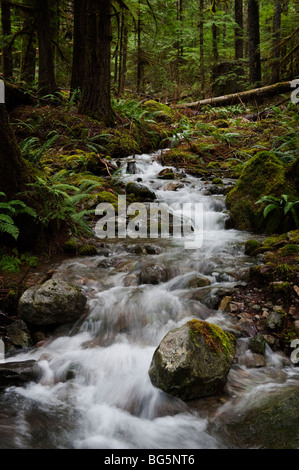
[[96, 96], [79, 49], [256, 94], [139, 52], [14, 173], [214, 36], [47, 81], [255, 71], [123, 46], [276, 41], [7, 60], [201, 45], [239, 42], [29, 45]]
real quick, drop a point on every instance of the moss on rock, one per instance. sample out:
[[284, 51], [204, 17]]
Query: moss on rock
[[264, 174], [215, 337], [88, 250]]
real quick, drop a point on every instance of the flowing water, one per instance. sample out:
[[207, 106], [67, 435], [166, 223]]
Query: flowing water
[[95, 392]]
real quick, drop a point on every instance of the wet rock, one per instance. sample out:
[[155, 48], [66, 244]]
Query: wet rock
[[257, 344], [132, 168], [153, 249], [252, 360], [275, 320], [18, 335], [145, 249], [131, 280], [193, 361], [17, 374], [153, 274], [198, 281], [166, 174], [224, 304], [173, 186], [269, 421], [52, 303], [247, 327], [140, 191]]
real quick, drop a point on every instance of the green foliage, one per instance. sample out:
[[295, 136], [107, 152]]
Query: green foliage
[[60, 202], [134, 111], [283, 211], [13, 262], [9, 210], [33, 150]]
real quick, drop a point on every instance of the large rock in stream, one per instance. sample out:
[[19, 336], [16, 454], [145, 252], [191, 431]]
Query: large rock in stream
[[193, 361], [53, 303], [18, 374], [265, 419]]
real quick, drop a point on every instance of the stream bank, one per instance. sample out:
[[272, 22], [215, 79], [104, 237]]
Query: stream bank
[[95, 391]]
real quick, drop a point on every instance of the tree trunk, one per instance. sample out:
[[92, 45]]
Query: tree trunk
[[257, 94], [7, 61], [276, 41], [79, 48], [255, 73], [239, 42], [201, 45], [14, 173], [215, 37], [122, 55], [29, 45], [139, 52], [47, 81], [96, 96]]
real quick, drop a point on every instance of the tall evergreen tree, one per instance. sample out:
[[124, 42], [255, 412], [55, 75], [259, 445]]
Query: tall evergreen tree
[[96, 95], [79, 49], [239, 42], [7, 61], [47, 80], [29, 43], [278, 4], [255, 72]]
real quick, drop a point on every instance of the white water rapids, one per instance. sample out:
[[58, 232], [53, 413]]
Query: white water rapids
[[95, 392]]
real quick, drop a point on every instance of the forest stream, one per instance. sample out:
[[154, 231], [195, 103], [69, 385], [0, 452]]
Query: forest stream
[[96, 393]]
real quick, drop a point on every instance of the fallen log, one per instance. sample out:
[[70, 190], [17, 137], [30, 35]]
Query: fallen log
[[257, 94]]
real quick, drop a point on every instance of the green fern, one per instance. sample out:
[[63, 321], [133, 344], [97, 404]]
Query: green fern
[[282, 211], [60, 202], [13, 262], [32, 149], [10, 209]]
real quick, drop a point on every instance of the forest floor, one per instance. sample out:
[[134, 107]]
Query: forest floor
[[69, 149]]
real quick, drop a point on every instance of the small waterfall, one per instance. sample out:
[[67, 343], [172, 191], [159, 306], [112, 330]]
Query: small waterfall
[[95, 392]]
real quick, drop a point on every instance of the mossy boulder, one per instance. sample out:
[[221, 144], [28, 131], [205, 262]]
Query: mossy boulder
[[193, 361], [263, 174], [107, 197], [70, 246], [122, 144], [140, 191], [161, 111], [88, 250], [251, 246]]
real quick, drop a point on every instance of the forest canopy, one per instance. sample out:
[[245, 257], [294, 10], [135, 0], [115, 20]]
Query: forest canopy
[[171, 50]]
